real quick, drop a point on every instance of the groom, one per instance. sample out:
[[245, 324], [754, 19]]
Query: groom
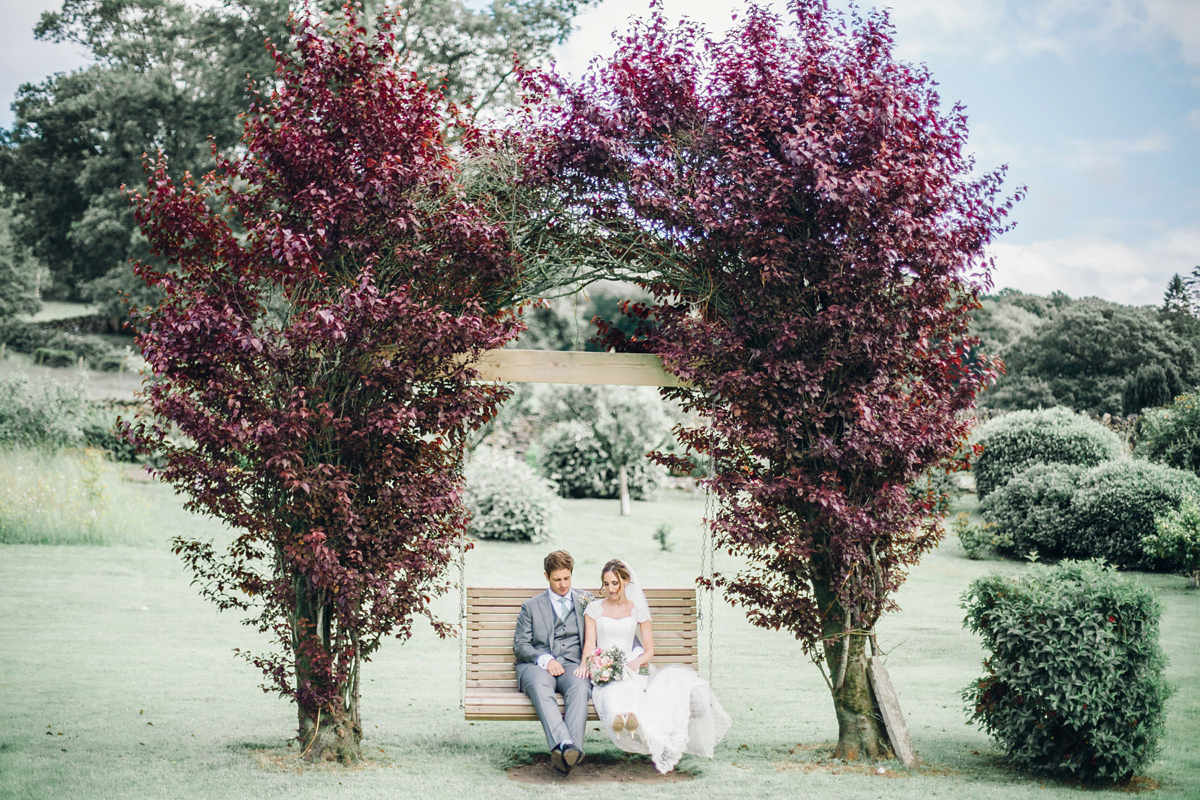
[[548, 643]]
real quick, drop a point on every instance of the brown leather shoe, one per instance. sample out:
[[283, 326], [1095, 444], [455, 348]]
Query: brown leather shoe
[[572, 755]]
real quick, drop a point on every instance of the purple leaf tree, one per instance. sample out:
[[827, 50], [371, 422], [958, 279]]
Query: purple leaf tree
[[327, 290], [813, 234]]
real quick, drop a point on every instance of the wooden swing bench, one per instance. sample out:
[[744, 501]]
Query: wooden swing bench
[[491, 691]]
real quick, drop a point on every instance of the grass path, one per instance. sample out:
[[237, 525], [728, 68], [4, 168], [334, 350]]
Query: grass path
[[118, 682]]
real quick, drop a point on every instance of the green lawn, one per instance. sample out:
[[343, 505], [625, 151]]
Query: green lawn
[[119, 682]]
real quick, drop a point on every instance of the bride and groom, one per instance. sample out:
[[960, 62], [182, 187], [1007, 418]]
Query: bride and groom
[[663, 712]]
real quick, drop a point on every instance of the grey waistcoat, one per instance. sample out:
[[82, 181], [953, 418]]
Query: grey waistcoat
[[565, 644]]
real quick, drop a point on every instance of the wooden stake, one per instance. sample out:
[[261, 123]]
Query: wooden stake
[[889, 708]]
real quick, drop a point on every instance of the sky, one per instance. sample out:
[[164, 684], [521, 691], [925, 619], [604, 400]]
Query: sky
[[1094, 106]]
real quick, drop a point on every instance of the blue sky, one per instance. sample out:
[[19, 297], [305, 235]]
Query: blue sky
[[1093, 104]]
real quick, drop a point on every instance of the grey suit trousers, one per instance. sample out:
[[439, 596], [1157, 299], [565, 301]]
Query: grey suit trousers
[[540, 686]]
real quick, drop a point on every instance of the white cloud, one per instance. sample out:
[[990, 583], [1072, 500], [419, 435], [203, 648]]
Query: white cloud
[[1000, 29], [1193, 119], [1083, 267], [1102, 160]]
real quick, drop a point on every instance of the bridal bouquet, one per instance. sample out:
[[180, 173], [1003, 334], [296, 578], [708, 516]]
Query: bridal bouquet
[[606, 666]]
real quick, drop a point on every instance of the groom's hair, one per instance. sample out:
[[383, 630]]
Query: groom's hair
[[559, 559]]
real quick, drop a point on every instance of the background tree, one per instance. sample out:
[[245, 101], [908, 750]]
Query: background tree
[[169, 75], [1177, 299], [318, 362], [814, 239], [627, 422], [20, 273], [1086, 354]]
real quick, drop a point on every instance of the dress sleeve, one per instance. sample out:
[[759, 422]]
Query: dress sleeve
[[641, 614], [594, 610]]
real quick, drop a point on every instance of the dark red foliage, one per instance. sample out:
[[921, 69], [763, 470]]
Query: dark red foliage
[[327, 292], [816, 238]]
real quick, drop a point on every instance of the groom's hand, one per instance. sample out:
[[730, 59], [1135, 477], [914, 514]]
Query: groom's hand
[[554, 668]]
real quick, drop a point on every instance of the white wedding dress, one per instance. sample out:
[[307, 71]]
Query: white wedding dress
[[676, 709]]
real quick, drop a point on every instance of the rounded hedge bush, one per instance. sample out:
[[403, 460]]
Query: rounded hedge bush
[[1032, 511], [507, 499], [1073, 685], [1171, 435], [1114, 507], [571, 457], [1046, 436], [1176, 540]]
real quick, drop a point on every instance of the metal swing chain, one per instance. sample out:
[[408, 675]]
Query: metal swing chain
[[462, 620], [707, 571]]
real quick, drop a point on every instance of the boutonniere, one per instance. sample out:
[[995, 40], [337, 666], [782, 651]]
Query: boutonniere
[[584, 599]]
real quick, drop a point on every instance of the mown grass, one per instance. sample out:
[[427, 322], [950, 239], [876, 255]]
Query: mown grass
[[119, 682]]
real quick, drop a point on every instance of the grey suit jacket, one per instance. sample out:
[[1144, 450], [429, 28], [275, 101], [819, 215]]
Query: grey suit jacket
[[535, 625]]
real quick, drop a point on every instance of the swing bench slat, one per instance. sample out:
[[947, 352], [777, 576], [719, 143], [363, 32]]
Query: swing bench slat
[[491, 691]]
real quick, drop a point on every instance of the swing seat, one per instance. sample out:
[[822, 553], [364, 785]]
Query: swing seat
[[491, 690]]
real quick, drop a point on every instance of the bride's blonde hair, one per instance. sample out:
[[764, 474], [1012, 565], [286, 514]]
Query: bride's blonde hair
[[617, 567]]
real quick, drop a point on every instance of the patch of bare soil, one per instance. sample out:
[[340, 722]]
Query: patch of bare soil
[[281, 760], [810, 758], [601, 768]]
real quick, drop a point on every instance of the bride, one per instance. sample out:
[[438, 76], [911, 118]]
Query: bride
[[664, 712]]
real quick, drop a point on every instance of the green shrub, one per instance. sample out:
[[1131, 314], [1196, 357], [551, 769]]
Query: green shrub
[[42, 414], [1115, 505], [49, 357], [1151, 386], [937, 485], [978, 541], [30, 337], [99, 432], [1175, 542], [110, 363], [507, 499], [1033, 509], [570, 455], [1073, 685], [1171, 435], [1048, 436]]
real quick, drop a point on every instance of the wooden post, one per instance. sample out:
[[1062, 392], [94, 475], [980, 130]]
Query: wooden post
[[889, 709]]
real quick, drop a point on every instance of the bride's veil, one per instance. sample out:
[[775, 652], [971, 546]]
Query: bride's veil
[[633, 590]]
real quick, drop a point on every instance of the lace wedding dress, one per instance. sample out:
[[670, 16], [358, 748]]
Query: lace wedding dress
[[676, 710]]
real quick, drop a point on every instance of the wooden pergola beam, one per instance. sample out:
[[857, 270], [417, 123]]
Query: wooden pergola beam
[[563, 366]]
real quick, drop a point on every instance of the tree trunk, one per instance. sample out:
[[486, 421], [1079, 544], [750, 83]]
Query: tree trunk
[[861, 732], [329, 730], [623, 483]]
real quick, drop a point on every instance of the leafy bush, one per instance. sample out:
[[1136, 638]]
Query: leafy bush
[[1115, 506], [1151, 386], [41, 414], [936, 485], [49, 357], [977, 540], [572, 457], [99, 432], [1033, 509], [1171, 435], [1050, 436], [507, 499], [1175, 542], [30, 337], [1073, 685]]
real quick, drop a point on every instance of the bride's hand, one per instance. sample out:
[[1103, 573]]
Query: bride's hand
[[581, 671]]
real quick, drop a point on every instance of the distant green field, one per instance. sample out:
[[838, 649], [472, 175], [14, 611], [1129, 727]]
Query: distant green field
[[119, 682], [55, 309]]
